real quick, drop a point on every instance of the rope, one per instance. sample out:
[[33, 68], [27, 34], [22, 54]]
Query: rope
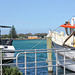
[[37, 44], [56, 28], [42, 39]]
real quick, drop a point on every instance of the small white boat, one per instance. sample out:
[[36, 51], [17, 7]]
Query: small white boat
[[6, 45], [59, 40]]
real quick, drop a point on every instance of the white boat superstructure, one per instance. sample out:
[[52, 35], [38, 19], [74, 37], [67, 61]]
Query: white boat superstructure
[[6, 45], [8, 56], [59, 40]]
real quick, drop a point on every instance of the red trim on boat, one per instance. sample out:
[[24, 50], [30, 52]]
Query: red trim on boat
[[68, 26]]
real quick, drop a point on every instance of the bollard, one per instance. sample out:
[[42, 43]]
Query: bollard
[[49, 55]]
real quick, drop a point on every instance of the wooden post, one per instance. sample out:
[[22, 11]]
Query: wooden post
[[49, 55]]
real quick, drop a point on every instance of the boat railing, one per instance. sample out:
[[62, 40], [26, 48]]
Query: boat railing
[[25, 54]]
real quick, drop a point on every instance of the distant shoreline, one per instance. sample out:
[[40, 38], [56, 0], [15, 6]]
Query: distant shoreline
[[30, 39], [25, 39]]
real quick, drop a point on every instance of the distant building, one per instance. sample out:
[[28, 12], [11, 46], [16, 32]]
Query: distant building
[[32, 37]]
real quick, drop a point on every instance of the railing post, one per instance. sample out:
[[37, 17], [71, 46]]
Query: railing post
[[56, 63], [64, 62], [35, 63], [25, 63], [1, 61]]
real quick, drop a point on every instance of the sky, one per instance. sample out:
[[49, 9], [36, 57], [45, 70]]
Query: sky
[[35, 16]]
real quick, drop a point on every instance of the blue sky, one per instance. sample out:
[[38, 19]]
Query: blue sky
[[35, 16]]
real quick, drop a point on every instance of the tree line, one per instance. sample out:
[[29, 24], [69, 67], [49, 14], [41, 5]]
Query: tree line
[[13, 34]]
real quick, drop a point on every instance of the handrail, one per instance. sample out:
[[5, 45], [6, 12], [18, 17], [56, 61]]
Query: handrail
[[35, 62], [59, 50], [17, 59]]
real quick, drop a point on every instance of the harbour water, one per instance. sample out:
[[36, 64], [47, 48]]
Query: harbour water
[[29, 44]]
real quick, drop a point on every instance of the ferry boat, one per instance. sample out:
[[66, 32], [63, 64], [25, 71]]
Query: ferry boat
[[66, 41], [6, 45]]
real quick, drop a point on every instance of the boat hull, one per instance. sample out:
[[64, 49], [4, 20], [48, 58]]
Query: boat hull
[[70, 63], [10, 52]]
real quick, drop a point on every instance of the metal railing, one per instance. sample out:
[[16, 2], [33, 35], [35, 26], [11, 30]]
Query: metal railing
[[36, 51]]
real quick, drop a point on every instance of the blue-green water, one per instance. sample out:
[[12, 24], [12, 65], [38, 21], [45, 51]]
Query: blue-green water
[[29, 44]]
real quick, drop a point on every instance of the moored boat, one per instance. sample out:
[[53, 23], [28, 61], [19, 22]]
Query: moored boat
[[6, 45], [61, 41]]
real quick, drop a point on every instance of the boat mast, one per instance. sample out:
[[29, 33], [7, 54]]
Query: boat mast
[[0, 35], [0, 32], [72, 29], [72, 24]]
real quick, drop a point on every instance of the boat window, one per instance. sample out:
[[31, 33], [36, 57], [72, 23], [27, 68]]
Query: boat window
[[67, 31], [74, 30], [6, 42]]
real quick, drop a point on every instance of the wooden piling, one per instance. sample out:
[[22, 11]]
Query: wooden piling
[[49, 55]]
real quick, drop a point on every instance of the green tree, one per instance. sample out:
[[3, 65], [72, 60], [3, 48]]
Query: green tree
[[42, 35], [21, 35], [29, 34], [37, 34], [5, 36], [12, 32]]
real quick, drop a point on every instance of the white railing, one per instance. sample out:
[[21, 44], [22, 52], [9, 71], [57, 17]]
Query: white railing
[[35, 51], [1, 62], [43, 61]]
